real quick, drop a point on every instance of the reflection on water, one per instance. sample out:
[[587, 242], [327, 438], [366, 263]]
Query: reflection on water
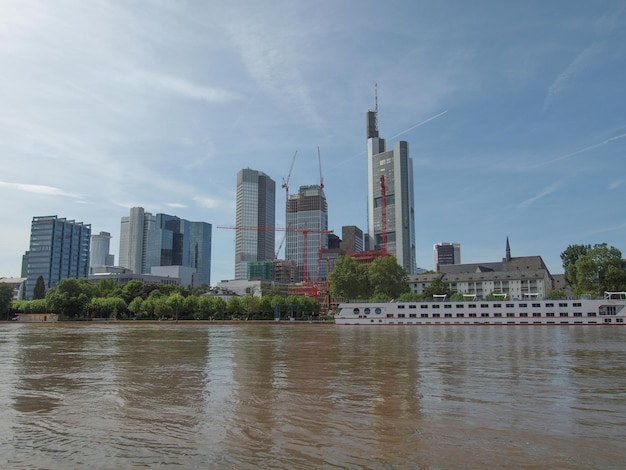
[[311, 396]]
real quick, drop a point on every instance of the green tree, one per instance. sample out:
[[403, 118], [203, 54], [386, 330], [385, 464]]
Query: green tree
[[131, 290], [599, 271], [71, 297], [6, 297], [135, 306], [437, 287], [233, 306], [107, 307], [176, 303], [39, 292], [410, 297], [556, 294], [387, 277], [107, 288], [348, 279], [569, 258]]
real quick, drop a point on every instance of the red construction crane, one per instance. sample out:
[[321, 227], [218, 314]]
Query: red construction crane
[[311, 288], [383, 218]]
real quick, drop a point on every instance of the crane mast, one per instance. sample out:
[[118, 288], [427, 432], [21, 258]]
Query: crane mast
[[383, 218]]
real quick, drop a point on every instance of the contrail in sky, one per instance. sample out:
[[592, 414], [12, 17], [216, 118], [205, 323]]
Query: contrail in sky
[[591, 147], [418, 125]]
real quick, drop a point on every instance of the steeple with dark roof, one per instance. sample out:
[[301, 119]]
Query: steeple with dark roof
[[508, 251]]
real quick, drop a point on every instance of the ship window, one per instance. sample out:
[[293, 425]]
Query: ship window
[[563, 314], [523, 314], [436, 315], [423, 306], [549, 314], [497, 314], [484, 305], [471, 314], [497, 305], [459, 305], [448, 315], [619, 320], [485, 315], [401, 315], [390, 315], [435, 306], [536, 305], [510, 305], [413, 306], [535, 314], [460, 315], [549, 304], [577, 304], [523, 305], [400, 306], [447, 306], [591, 314], [563, 304], [412, 315], [578, 314], [472, 305], [366, 310], [424, 315], [377, 311], [510, 314], [356, 311]]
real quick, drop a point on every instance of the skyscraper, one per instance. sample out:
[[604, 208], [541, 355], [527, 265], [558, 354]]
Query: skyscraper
[[256, 210], [59, 249], [397, 169], [307, 224], [446, 253], [148, 241], [99, 254]]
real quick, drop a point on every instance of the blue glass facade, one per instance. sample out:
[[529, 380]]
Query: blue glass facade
[[59, 249]]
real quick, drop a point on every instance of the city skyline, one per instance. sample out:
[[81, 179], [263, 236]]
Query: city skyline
[[513, 114]]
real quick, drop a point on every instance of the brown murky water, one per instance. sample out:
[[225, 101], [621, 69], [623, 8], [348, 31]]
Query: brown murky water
[[307, 396]]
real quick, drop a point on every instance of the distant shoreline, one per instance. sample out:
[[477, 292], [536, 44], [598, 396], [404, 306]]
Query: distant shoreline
[[177, 323]]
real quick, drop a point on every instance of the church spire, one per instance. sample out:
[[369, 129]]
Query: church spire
[[508, 250]]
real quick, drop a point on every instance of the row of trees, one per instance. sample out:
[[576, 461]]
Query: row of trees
[[383, 279], [79, 299]]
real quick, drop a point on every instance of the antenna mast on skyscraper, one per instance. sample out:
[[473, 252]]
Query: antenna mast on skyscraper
[[376, 105]]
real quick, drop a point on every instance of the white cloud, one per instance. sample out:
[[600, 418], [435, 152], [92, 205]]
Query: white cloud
[[616, 184], [40, 189], [181, 87]]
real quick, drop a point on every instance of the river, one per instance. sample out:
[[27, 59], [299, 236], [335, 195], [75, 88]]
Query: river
[[287, 396]]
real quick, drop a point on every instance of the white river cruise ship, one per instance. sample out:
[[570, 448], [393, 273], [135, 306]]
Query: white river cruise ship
[[442, 311]]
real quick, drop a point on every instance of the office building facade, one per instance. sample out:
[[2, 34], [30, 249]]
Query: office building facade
[[307, 230], [445, 254], [99, 253], [148, 241], [59, 249], [393, 171], [256, 219], [352, 239]]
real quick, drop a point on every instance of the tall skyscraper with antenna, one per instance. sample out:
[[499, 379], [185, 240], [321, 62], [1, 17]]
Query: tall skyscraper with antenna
[[397, 168]]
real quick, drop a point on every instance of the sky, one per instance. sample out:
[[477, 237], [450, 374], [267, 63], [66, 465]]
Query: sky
[[515, 115]]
